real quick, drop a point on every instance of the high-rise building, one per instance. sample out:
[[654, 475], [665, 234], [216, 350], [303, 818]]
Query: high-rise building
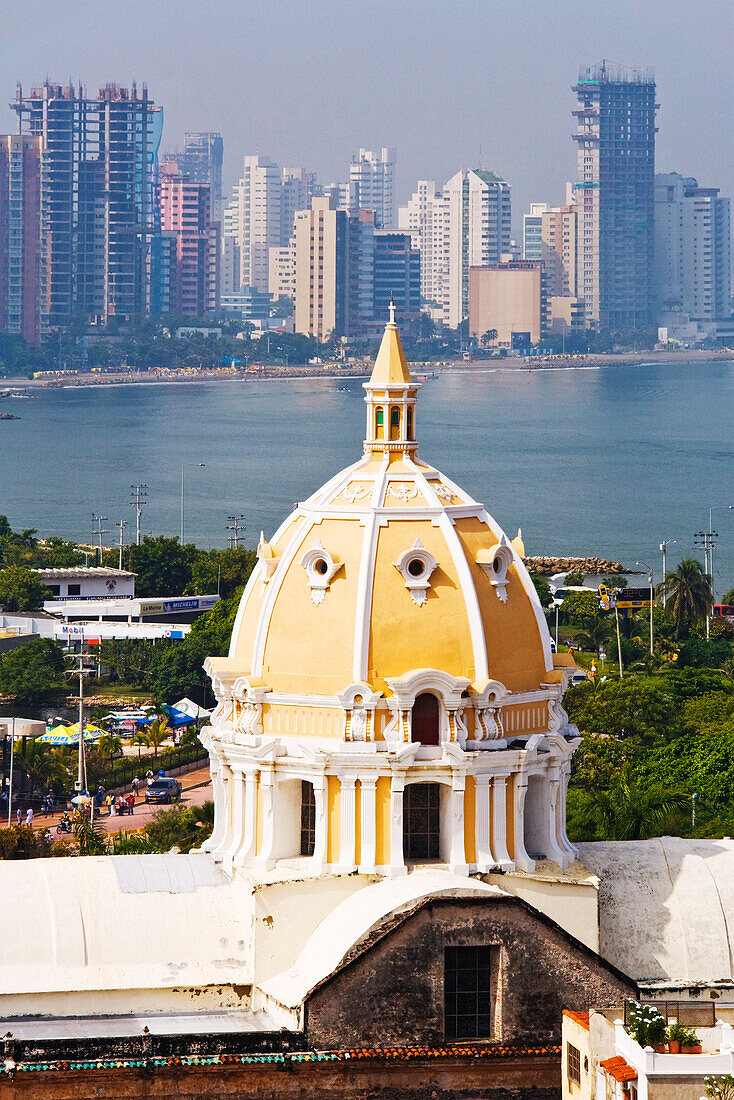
[[396, 277], [421, 217], [201, 160], [282, 279], [298, 188], [372, 176], [321, 235], [476, 234], [615, 132], [253, 217], [692, 249], [531, 225], [557, 249], [508, 298], [185, 211], [98, 202], [20, 237]]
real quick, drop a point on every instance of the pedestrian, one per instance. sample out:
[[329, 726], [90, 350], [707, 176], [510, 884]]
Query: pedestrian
[[113, 808], [29, 817], [44, 806], [131, 803], [149, 777], [19, 816], [136, 784], [108, 804]]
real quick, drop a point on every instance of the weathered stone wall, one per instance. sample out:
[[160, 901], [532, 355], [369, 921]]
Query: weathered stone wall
[[392, 993]]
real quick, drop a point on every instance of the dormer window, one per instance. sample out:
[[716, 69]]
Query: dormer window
[[495, 563], [321, 568], [416, 565]]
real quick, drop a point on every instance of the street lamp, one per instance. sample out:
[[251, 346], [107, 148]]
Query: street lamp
[[550, 608], [663, 547], [649, 573], [183, 468]]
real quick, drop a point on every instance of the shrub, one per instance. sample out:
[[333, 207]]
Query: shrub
[[646, 1025]]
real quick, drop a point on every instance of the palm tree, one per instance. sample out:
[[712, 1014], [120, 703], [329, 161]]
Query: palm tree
[[158, 731], [689, 592], [110, 743], [635, 811], [140, 738], [489, 337], [44, 766], [598, 631]]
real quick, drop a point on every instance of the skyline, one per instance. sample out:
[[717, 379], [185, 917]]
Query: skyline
[[295, 56]]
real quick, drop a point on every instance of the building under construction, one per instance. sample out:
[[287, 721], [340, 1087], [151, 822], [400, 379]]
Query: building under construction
[[98, 203], [615, 189]]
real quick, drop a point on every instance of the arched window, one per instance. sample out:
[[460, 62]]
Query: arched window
[[308, 819], [421, 821], [410, 423], [379, 424], [394, 422], [425, 719]]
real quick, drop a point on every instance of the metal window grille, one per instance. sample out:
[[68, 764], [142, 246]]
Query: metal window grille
[[467, 992], [573, 1063], [421, 821], [308, 819]]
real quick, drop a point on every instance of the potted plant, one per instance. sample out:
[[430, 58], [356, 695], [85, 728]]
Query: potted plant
[[676, 1034], [647, 1026], [690, 1043]]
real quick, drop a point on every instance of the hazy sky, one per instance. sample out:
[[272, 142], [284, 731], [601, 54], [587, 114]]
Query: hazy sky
[[307, 82]]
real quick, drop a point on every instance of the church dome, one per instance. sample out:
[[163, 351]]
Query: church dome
[[390, 663], [389, 567]]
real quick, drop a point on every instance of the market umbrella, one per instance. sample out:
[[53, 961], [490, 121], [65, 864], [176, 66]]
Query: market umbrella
[[69, 735]]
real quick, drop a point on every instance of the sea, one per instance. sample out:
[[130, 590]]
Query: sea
[[608, 461]]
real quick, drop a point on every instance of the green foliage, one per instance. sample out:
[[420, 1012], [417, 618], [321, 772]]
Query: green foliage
[[158, 732], [33, 672], [163, 567], [22, 842], [720, 1088], [615, 580], [728, 597], [545, 595], [574, 579], [684, 1035], [689, 594], [580, 608], [635, 707], [646, 1025], [700, 653], [223, 571], [21, 589], [89, 836], [182, 827], [46, 767]]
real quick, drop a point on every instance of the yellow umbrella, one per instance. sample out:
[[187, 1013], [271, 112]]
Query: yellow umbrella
[[89, 730]]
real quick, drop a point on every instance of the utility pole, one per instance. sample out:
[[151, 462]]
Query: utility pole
[[99, 520], [138, 503], [649, 574], [237, 527], [122, 525], [663, 548], [706, 540], [82, 669]]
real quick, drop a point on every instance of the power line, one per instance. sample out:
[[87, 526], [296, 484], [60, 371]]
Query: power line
[[99, 520], [237, 528], [138, 503]]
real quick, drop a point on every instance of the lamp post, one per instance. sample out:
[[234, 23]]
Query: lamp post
[[663, 548], [649, 574], [183, 468]]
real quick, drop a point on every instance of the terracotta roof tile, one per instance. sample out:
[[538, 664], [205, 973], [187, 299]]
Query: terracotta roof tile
[[581, 1018]]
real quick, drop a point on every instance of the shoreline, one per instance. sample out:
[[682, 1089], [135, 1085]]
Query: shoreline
[[274, 374]]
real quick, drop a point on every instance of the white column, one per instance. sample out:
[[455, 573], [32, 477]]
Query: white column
[[457, 850], [267, 791], [571, 853], [522, 859], [554, 850], [321, 838], [368, 825], [226, 834], [237, 782], [501, 856], [220, 809], [397, 860], [249, 820], [482, 824], [347, 808]]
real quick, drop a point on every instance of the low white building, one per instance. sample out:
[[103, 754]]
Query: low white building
[[88, 582]]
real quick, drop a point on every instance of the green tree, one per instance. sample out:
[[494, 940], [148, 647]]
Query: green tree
[[158, 732], [222, 571], [44, 766], [141, 739], [634, 810], [109, 744], [163, 567], [545, 595], [575, 579], [615, 581], [488, 337], [21, 589], [33, 671], [727, 598], [89, 837], [596, 633], [580, 608], [631, 708], [183, 827], [689, 594]]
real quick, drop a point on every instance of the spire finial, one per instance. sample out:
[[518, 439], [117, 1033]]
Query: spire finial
[[392, 311]]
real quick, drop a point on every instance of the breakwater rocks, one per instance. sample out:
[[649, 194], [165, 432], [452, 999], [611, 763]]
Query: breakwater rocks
[[546, 567]]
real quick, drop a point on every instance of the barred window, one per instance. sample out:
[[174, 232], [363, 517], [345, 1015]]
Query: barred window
[[467, 993], [308, 819], [573, 1063]]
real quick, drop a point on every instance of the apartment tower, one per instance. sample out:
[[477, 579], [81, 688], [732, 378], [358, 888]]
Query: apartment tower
[[372, 185], [615, 119], [201, 160], [185, 212], [20, 238]]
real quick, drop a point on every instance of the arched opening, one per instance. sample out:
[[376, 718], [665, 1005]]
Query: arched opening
[[425, 719], [422, 821], [394, 422], [308, 819], [379, 424], [537, 818]]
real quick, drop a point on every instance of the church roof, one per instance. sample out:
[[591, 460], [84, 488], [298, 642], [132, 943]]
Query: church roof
[[391, 366], [666, 908]]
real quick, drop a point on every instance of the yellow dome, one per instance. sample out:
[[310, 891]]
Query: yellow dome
[[389, 567], [390, 693]]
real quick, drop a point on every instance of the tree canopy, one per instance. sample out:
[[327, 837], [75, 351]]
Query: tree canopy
[[21, 589]]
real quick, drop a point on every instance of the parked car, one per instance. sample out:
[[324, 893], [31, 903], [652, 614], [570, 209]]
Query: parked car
[[163, 789], [579, 676]]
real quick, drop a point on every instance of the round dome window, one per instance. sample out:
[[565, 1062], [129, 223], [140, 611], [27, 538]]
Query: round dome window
[[416, 567], [321, 567]]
